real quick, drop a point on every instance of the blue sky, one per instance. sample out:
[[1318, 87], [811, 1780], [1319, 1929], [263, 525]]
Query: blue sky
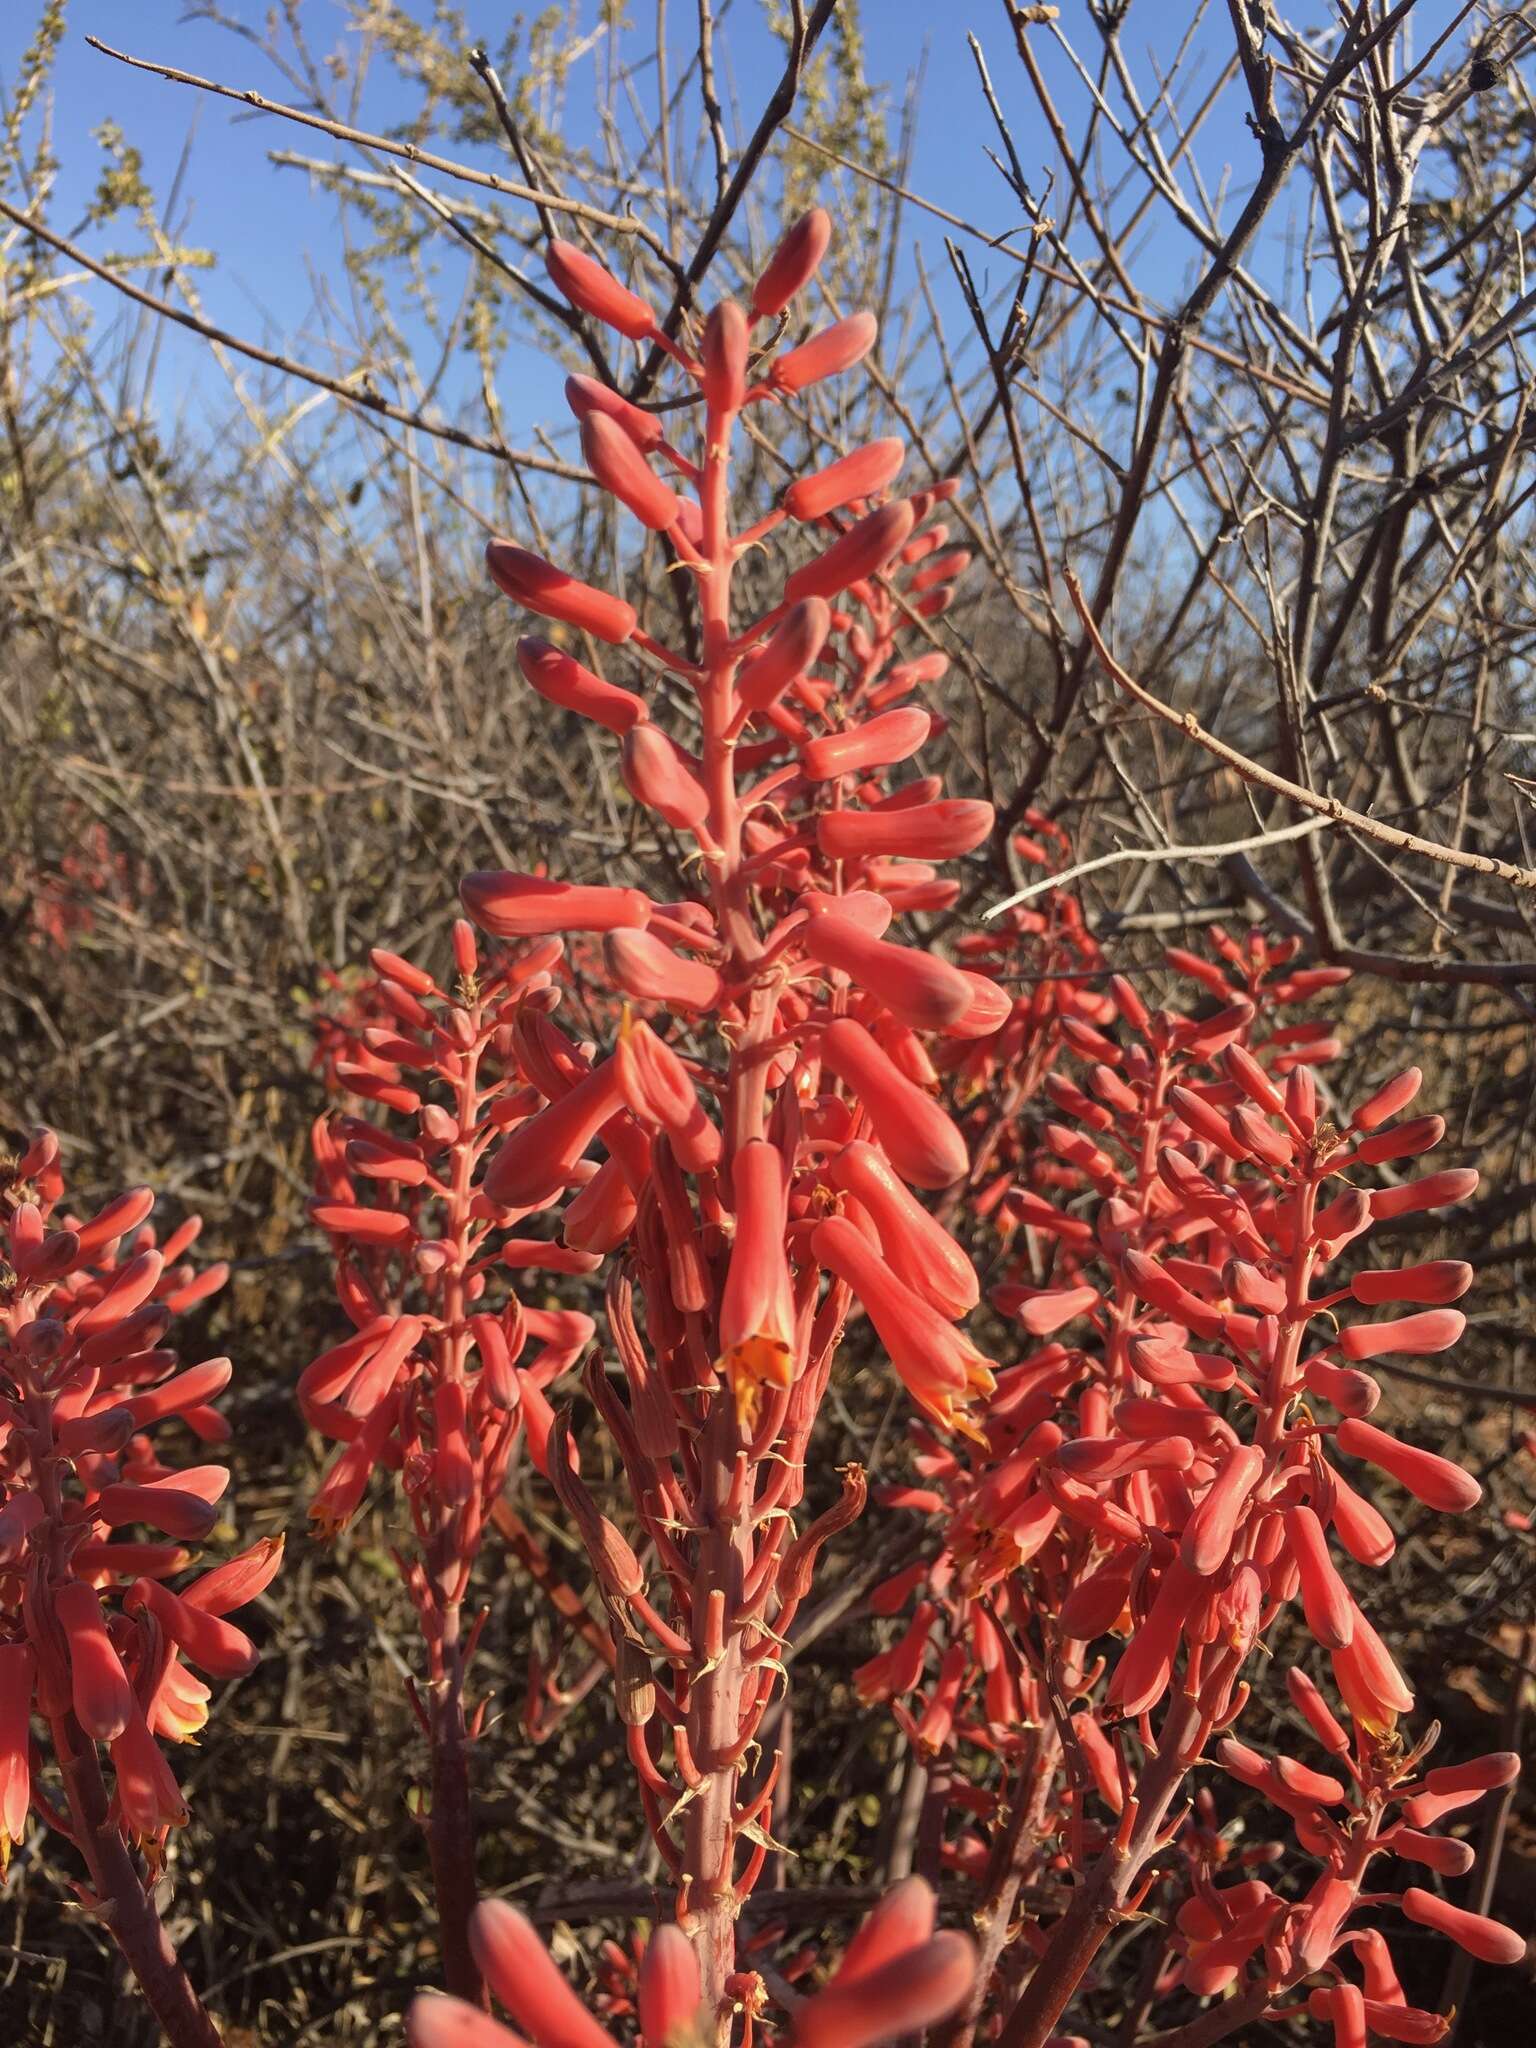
[[275, 236]]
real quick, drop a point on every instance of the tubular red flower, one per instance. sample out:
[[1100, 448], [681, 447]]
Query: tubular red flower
[[518, 1968], [791, 648], [940, 1368], [919, 1139], [561, 679], [538, 1157], [862, 551], [893, 736], [1437, 1282], [584, 395], [914, 1244], [658, 774], [941, 831], [757, 1306], [909, 1992], [835, 349], [1428, 1477], [859, 475], [642, 966], [540, 586], [100, 1693], [1207, 1539], [1489, 1940], [18, 1675], [922, 991], [724, 357], [1325, 1599], [1389, 1099], [1437, 1329], [517, 906], [668, 1990], [1372, 1687], [618, 465], [793, 264], [592, 289]]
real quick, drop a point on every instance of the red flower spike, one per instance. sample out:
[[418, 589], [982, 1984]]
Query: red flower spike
[[793, 264], [860, 475], [1428, 1477], [1489, 1940], [591, 289], [835, 349], [618, 465], [539, 586]]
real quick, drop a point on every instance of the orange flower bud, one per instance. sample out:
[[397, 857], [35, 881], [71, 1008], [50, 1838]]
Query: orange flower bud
[[215, 1646], [1437, 1329], [18, 1675], [908, 1993], [1433, 1191], [592, 289], [1207, 1540], [146, 1788], [1372, 1687], [793, 264], [539, 586], [1395, 1095]]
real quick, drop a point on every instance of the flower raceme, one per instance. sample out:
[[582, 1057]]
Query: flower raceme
[[1186, 1456], [768, 1101], [444, 1373], [897, 1976], [95, 1642]]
